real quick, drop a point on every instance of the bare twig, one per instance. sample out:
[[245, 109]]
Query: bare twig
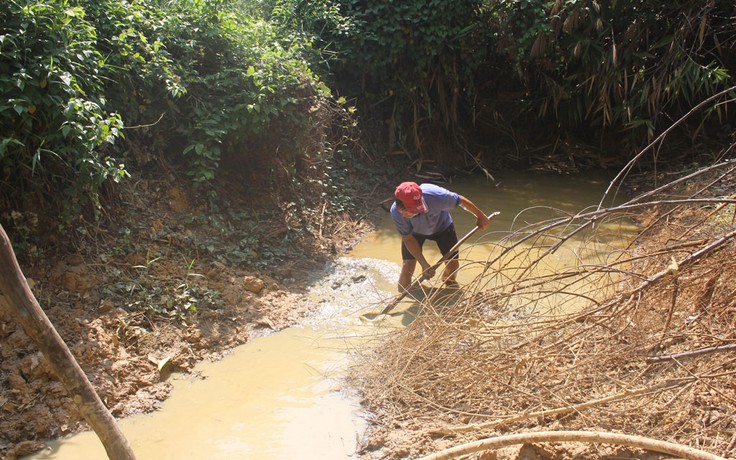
[[693, 353], [659, 138]]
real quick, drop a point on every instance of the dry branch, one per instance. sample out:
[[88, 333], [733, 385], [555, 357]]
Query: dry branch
[[690, 354], [563, 410], [661, 137], [529, 338], [597, 437], [18, 299]]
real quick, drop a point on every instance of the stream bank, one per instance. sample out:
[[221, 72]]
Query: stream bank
[[312, 292], [171, 280], [141, 350], [157, 292]]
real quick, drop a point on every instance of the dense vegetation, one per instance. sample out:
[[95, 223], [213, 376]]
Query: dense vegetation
[[469, 74], [90, 87]]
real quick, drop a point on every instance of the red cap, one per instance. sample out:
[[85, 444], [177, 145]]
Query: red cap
[[411, 196]]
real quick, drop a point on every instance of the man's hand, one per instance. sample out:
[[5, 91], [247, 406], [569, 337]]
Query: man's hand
[[482, 221], [428, 272]]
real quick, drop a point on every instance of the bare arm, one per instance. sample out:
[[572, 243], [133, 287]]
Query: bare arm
[[481, 219], [413, 246]]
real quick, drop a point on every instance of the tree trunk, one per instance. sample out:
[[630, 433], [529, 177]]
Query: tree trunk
[[22, 304]]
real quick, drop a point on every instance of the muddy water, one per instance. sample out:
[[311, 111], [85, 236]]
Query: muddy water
[[279, 397]]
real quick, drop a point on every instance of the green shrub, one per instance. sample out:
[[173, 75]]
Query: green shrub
[[54, 126], [190, 79], [440, 73], [243, 76], [409, 63], [622, 66]]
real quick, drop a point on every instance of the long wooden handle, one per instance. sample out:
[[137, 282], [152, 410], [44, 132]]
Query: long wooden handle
[[422, 277]]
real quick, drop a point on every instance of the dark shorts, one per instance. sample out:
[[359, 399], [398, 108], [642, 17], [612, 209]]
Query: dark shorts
[[445, 240]]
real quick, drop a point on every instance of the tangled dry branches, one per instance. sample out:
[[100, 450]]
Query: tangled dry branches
[[636, 339]]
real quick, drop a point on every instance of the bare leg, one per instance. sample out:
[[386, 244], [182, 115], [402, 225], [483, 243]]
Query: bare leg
[[451, 268], [407, 270]]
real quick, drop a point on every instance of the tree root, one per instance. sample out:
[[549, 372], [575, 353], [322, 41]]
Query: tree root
[[677, 450]]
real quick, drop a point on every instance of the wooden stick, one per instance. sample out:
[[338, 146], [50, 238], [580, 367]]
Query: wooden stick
[[689, 354]]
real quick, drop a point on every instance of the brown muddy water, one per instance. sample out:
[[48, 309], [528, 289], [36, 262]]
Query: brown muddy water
[[281, 396]]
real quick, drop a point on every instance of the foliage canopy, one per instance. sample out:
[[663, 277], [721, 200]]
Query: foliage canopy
[[461, 75]]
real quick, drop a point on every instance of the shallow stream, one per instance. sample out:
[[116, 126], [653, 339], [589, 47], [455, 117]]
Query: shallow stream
[[280, 396]]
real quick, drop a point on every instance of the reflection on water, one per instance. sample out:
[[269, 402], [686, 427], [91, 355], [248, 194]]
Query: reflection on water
[[279, 396]]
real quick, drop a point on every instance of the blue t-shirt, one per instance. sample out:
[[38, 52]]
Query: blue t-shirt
[[437, 218]]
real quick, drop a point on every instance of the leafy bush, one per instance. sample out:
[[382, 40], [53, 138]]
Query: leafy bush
[[53, 124], [191, 79], [440, 73], [242, 76], [137, 68], [406, 62]]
